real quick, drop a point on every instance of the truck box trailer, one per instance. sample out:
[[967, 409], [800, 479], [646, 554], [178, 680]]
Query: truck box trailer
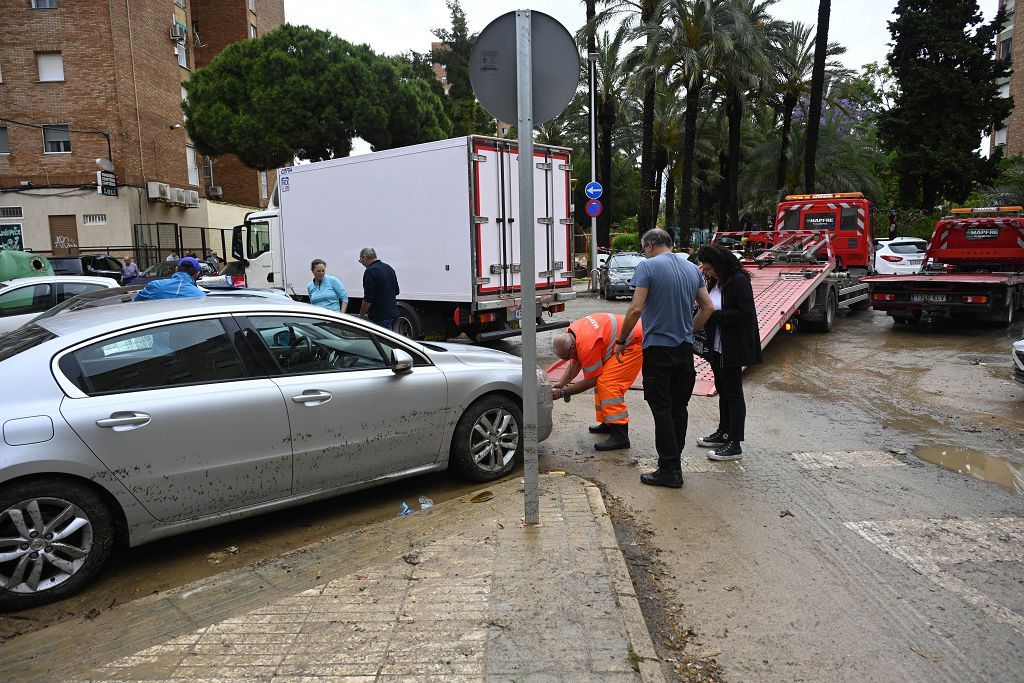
[[444, 215], [973, 267]]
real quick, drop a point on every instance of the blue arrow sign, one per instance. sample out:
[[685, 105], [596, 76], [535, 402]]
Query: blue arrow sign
[[593, 190], [594, 208]]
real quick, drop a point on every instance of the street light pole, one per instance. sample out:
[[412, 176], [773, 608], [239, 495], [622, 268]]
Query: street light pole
[[592, 59]]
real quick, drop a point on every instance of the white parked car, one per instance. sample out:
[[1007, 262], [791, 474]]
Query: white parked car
[[1018, 360], [900, 255], [24, 298]]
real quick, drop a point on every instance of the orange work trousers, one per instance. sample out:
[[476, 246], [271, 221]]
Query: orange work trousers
[[612, 384]]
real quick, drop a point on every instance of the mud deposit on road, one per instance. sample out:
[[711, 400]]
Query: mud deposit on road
[[677, 642], [163, 565]]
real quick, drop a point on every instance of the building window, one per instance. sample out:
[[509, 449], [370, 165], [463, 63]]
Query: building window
[[193, 168], [1006, 48], [11, 212], [252, 30], [57, 139], [5, 144], [50, 65], [44, 4], [252, 6], [184, 96], [263, 184], [208, 170], [94, 219], [182, 52], [179, 3]]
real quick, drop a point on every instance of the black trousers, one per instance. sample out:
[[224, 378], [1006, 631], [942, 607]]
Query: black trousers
[[669, 377], [732, 409]]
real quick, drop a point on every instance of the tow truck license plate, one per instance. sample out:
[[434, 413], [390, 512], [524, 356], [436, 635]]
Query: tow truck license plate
[[928, 297]]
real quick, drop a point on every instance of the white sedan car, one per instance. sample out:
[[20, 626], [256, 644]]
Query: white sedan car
[[1018, 360], [900, 255], [24, 298]]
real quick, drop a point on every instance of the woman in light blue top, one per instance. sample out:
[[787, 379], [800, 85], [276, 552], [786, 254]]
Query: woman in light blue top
[[326, 291]]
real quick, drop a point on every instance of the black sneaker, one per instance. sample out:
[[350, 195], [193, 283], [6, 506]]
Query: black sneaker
[[730, 451], [712, 440], [661, 478]]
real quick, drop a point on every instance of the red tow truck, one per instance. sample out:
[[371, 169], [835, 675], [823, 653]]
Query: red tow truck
[[974, 267]]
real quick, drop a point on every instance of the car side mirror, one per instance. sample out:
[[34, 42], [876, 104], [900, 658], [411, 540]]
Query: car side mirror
[[401, 362]]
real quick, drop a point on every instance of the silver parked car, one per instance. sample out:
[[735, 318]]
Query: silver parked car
[[135, 422]]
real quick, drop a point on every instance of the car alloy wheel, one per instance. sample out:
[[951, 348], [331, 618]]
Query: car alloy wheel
[[54, 537], [488, 441]]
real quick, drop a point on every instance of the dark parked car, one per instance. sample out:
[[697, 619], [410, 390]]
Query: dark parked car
[[94, 265], [164, 269], [617, 274]]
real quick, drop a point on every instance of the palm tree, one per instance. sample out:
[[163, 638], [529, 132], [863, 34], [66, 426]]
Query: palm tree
[[748, 70], [610, 104], [639, 15], [793, 54], [694, 40], [817, 89], [668, 133]]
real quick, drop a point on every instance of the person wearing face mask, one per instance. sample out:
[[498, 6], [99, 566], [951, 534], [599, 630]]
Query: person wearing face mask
[[735, 343]]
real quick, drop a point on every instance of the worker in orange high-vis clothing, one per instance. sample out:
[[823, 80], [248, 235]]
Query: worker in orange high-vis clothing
[[589, 345]]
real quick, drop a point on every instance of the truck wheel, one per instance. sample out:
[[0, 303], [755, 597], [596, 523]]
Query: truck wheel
[[488, 440], [831, 306], [55, 536], [408, 322]]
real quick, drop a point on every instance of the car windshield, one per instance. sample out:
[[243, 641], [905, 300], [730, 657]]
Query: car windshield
[[101, 297], [909, 247], [22, 339], [625, 261]]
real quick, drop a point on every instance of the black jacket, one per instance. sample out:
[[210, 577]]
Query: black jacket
[[737, 321]]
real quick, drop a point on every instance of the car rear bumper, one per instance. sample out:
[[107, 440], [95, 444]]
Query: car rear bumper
[[619, 289]]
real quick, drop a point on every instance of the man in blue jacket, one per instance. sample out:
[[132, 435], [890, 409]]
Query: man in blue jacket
[[181, 285]]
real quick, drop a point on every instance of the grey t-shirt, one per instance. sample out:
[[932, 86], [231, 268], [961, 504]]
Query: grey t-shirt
[[672, 283]]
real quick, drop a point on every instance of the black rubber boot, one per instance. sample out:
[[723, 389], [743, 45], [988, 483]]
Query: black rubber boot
[[600, 429], [619, 439]]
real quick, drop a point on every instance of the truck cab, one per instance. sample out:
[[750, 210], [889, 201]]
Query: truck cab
[[848, 217]]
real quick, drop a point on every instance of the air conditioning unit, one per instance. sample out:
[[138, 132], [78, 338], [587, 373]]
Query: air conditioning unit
[[159, 191], [192, 197], [178, 32], [177, 195], [216, 191]]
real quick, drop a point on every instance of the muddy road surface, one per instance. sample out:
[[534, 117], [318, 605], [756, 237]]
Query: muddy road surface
[[874, 529]]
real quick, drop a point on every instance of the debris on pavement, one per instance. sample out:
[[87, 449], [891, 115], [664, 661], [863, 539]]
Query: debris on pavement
[[482, 497], [898, 451], [412, 558], [425, 502], [404, 510], [785, 513]]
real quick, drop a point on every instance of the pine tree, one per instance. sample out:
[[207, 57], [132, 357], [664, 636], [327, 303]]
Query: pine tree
[[944, 62]]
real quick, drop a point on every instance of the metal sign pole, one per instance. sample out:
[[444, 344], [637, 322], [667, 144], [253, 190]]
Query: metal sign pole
[[592, 58], [527, 268]]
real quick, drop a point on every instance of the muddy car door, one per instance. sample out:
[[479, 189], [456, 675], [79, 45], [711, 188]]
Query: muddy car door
[[172, 412], [352, 418]]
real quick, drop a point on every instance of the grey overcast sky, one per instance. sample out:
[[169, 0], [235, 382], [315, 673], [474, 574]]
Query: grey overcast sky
[[393, 26]]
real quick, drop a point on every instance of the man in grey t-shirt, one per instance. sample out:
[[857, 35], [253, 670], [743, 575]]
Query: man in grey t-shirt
[[667, 285]]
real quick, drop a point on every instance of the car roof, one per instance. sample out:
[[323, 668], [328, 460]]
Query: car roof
[[46, 279], [103, 318]]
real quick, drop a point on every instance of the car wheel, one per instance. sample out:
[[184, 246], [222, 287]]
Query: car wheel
[[408, 322], [55, 536], [488, 440]]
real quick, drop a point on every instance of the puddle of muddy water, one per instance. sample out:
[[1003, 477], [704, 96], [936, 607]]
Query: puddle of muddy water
[[1007, 473]]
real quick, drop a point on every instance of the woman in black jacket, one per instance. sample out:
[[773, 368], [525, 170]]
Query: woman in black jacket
[[735, 342]]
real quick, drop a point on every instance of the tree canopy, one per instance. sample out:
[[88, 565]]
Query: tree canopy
[[944, 60], [300, 92]]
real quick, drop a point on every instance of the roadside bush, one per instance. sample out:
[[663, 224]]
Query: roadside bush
[[627, 242]]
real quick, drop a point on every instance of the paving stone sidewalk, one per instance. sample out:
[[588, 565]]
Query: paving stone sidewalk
[[462, 591]]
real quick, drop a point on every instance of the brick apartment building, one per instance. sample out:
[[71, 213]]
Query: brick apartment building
[[91, 83]]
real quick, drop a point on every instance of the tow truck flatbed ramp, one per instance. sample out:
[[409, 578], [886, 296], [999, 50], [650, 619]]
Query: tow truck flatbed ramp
[[782, 278]]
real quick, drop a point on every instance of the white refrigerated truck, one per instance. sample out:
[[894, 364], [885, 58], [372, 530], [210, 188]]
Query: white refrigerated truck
[[444, 215]]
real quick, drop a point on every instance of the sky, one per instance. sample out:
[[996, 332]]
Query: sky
[[393, 26]]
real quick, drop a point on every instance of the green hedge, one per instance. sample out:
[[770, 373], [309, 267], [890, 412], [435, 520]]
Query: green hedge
[[627, 242]]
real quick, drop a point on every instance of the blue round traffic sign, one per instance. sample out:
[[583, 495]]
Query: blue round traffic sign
[[594, 208], [593, 190]]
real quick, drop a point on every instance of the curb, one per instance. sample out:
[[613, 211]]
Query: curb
[[625, 597]]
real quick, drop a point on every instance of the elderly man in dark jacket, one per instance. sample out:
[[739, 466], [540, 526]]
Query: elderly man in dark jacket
[[735, 342]]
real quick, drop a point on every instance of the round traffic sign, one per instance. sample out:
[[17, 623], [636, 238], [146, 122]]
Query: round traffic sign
[[594, 208], [593, 190], [556, 67]]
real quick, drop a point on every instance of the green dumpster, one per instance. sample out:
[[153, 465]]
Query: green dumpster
[[15, 264]]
